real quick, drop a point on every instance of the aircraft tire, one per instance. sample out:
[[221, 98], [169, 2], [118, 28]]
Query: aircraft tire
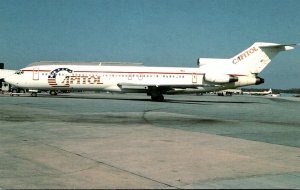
[[158, 98]]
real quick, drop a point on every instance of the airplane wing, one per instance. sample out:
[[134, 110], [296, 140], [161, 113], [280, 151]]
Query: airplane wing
[[132, 86]]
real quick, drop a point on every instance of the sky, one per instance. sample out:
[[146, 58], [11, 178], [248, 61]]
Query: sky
[[171, 33]]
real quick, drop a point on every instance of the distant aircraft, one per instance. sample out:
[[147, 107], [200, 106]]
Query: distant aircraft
[[212, 74], [259, 93]]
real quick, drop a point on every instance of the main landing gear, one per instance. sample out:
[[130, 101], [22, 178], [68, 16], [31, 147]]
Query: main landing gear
[[156, 94], [157, 97]]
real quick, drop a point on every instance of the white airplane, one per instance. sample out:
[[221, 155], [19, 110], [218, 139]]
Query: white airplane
[[212, 74], [263, 93]]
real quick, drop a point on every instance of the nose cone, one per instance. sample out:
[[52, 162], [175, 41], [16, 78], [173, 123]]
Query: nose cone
[[13, 80]]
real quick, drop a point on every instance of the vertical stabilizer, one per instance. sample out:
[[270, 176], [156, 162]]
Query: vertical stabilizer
[[258, 56]]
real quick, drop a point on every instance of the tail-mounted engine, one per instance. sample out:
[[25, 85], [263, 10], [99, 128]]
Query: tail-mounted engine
[[249, 80], [237, 80], [220, 78], [259, 80]]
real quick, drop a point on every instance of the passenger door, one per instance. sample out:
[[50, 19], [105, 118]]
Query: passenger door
[[194, 78], [35, 74]]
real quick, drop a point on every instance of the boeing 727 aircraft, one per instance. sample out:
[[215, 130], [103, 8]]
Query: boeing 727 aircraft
[[212, 74]]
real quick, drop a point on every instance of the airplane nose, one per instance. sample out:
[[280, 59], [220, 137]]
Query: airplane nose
[[12, 80]]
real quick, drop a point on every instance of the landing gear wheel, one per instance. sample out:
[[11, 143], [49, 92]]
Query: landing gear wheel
[[158, 98]]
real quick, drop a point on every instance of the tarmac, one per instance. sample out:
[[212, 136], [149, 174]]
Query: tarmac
[[113, 141]]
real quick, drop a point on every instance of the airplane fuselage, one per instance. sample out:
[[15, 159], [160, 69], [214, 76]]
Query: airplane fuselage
[[116, 78]]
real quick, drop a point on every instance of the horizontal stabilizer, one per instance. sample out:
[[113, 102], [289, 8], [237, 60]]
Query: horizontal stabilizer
[[281, 47]]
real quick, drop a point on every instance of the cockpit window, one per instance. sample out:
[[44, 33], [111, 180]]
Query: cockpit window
[[19, 72]]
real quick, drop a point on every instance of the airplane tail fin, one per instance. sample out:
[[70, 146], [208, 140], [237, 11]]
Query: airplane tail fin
[[258, 56]]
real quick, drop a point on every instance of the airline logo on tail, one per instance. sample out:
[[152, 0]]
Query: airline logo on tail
[[244, 55]]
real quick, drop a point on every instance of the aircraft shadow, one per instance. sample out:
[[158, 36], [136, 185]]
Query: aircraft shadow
[[208, 102], [171, 101]]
